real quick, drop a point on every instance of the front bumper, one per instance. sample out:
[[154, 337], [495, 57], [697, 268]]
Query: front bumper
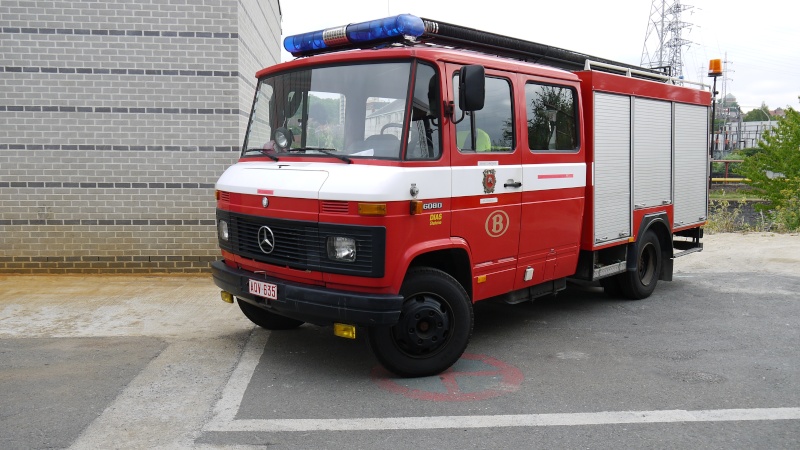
[[314, 304]]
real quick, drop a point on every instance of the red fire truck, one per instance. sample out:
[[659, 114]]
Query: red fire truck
[[403, 169]]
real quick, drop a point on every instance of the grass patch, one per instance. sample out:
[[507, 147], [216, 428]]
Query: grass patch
[[736, 194], [723, 217]]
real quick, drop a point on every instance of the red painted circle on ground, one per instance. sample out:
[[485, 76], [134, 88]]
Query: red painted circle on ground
[[473, 377]]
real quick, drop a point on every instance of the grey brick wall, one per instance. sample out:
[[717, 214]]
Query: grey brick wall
[[116, 118]]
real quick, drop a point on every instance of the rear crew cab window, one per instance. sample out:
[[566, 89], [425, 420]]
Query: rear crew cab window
[[551, 117]]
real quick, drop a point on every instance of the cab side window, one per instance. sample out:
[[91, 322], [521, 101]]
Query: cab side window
[[493, 125], [423, 136], [552, 117]]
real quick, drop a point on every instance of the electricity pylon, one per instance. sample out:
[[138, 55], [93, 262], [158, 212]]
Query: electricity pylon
[[663, 43]]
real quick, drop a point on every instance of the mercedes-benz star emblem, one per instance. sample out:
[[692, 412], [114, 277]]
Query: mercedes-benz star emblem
[[266, 240]]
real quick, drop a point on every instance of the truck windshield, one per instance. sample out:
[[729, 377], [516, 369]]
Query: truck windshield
[[351, 111]]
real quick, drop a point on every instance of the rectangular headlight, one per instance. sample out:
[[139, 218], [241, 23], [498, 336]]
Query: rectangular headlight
[[342, 248], [222, 229]]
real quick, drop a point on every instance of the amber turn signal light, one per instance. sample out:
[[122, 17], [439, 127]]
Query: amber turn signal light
[[372, 209], [416, 207]]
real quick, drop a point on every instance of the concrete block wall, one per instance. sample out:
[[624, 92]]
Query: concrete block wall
[[116, 118]]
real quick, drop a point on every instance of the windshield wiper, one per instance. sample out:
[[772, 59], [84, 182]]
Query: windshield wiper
[[324, 151], [263, 152]]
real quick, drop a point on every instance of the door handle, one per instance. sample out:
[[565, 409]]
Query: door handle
[[514, 184]]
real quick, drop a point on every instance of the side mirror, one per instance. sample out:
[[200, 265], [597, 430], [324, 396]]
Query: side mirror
[[471, 88]]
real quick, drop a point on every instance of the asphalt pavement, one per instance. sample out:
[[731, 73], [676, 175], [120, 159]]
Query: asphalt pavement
[[710, 360]]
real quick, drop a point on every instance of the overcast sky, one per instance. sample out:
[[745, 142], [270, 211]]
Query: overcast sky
[[761, 38]]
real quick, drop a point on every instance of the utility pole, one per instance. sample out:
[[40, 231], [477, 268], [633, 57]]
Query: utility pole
[[714, 71], [726, 106], [725, 78]]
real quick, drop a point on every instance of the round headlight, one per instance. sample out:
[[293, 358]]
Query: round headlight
[[283, 138]]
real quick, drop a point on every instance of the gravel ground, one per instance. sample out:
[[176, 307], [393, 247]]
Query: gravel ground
[[738, 252]]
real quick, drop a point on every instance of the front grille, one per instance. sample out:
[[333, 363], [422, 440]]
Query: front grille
[[303, 245]]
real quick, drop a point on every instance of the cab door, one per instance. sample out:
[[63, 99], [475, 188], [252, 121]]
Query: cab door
[[486, 182], [554, 175]]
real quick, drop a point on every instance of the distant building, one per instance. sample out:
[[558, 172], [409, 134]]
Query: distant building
[[778, 113], [116, 118]]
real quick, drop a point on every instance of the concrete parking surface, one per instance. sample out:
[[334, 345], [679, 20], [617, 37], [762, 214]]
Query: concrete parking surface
[[710, 360]]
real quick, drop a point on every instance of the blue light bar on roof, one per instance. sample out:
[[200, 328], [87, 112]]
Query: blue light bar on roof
[[354, 35]]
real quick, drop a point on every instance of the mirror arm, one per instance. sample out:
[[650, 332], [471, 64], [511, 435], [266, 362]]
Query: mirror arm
[[473, 130], [450, 110]]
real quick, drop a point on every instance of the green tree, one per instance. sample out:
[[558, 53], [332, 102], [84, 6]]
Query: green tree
[[774, 171], [757, 115]]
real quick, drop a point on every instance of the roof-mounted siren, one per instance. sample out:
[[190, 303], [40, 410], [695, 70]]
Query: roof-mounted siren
[[355, 35]]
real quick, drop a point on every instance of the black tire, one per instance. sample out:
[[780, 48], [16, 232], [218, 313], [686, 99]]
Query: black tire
[[267, 319], [434, 327], [640, 283]]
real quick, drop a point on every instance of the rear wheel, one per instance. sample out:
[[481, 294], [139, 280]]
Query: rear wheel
[[433, 330], [640, 283], [267, 319]]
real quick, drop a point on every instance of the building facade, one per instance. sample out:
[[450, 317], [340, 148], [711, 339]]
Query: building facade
[[116, 118]]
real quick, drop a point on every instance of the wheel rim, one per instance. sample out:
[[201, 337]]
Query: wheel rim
[[424, 326], [647, 264]]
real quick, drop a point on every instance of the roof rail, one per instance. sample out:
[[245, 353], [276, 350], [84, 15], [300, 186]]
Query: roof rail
[[629, 72]]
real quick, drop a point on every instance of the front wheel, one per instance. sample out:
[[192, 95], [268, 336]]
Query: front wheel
[[640, 283], [434, 328], [266, 319]]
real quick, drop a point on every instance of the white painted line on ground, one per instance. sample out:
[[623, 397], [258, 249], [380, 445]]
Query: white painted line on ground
[[167, 403], [518, 420], [233, 394]]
